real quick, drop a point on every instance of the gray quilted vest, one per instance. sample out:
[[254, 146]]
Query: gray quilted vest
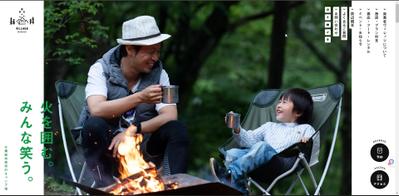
[[117, 85]]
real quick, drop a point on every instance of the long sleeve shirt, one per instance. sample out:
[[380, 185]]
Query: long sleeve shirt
[[278, 135]]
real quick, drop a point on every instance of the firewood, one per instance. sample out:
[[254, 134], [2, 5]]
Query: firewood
[[124, 184]]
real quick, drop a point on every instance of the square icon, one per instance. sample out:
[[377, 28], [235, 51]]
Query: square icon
[[327, 31], [327, 24], [327, 9], [327, 39], [327, 16]]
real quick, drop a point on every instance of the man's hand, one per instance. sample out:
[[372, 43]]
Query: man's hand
[[151, 94], [99, 106], [304, 139], [121, 137]]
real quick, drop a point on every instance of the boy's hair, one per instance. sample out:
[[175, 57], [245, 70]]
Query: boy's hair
[[303, 103]]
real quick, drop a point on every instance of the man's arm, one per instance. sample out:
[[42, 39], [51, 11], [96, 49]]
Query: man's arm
[[166, 114], [99, 106]]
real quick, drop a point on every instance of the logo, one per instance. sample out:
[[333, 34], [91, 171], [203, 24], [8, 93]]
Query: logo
[[22, 22], [319, 97]]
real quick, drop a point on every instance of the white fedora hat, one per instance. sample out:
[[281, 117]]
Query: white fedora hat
[[141, 31]]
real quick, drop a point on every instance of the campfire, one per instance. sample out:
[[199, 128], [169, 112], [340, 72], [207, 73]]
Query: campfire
[[136, 175], [140, 177]]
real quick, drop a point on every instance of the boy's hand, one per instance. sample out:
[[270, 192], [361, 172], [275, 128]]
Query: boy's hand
[[304, 139], [237, 130]]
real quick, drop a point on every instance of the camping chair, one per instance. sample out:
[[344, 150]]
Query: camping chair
[[71, 99], [299, 157]]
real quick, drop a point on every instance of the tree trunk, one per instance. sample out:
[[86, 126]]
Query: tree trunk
[[277, 46], [190, 56]]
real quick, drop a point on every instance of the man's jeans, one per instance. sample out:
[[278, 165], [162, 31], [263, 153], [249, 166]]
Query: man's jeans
[[242, 161]]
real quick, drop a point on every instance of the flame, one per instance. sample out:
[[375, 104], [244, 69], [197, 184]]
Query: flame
[[136, 175]]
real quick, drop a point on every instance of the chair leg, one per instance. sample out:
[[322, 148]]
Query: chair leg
[[303, 185], [248, 186], [264, 192], [293, 183], [306, 165], [82, 172], [77, 192]]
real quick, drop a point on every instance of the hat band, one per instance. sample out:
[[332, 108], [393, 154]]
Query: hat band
[[141, 38]]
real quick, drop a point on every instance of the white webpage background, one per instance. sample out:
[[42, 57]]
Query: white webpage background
[[373, 93], [397, 96], [21, 80]]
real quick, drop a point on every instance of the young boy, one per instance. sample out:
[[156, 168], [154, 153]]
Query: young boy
[[294, 113]]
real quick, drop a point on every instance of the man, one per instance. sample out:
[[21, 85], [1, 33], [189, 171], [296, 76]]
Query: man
[[123, 89]]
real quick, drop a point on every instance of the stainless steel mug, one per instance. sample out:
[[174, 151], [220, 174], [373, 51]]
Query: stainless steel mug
[[233, 120], [170, 94]]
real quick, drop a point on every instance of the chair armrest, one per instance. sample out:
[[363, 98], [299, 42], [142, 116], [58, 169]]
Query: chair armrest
[[296, 148]]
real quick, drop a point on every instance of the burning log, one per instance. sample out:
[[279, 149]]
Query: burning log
[[135, 183], [172, 185], [138, 175]]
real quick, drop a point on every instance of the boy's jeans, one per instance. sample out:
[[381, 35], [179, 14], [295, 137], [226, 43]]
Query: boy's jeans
[[242, 161]]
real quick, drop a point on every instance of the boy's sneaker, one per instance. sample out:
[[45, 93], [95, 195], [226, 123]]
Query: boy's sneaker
[[219, 172]]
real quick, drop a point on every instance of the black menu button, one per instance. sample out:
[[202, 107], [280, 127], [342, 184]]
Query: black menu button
[[379, 152], [379, 179]]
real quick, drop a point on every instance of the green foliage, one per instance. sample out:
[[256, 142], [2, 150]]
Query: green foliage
[[69, 28], [53, 186]]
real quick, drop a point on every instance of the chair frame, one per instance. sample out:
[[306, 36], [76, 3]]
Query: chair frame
[[302, 160], [65, 145], [61, 118]]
